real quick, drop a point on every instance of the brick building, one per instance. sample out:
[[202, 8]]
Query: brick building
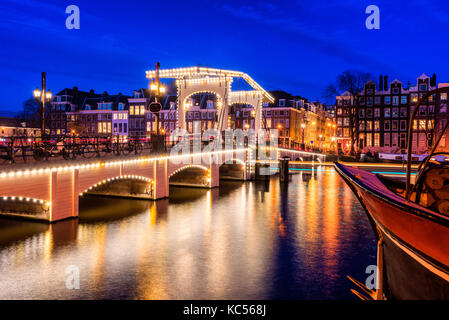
[[382, 116]]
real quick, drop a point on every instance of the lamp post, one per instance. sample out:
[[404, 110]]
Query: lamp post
[[321, 136], [280, 132], [157, 89], [43, 96], [303, 126]]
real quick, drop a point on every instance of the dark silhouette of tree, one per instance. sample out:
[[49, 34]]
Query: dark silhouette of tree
[[351, 81], [31, 112]]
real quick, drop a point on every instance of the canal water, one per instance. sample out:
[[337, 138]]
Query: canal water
[[241, 241]]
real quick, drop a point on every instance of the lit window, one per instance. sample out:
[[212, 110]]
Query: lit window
[[377, 125], [131, 110], [376, 139], [395, 100]]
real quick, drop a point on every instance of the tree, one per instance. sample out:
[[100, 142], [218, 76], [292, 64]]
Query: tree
[[31, 113], [31, 110], [353, 82]]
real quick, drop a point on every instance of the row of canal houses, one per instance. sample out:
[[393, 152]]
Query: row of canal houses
[[382, 113], [300, 123]]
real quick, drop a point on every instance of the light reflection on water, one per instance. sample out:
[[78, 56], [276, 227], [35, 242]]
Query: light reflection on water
[[241, 241]]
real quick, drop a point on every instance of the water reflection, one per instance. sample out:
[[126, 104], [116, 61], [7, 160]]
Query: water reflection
[[257, 240]]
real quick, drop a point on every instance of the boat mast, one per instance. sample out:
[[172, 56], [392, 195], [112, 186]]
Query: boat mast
[[410, 137]]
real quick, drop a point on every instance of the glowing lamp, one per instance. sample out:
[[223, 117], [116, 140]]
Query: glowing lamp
[[37, 93]]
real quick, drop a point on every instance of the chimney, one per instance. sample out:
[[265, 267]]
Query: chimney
[[385, 83], [381, 82], [75, 90], [92, 92]]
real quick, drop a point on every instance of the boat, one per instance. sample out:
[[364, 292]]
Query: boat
[[411, 224], [398, 157]]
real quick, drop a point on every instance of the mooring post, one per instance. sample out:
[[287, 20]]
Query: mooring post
[[283, 169]]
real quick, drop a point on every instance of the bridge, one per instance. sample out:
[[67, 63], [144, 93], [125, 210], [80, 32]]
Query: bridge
[[194, 80], [50, 191]]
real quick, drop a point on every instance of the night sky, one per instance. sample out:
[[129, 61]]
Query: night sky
[[296, 46]]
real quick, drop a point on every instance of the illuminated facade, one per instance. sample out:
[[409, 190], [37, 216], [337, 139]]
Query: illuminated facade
[[300, 124], [382, 116]]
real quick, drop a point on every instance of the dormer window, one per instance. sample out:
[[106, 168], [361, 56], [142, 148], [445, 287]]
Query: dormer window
[[423, 87], [121, 106], [282, 102], [395, 90]]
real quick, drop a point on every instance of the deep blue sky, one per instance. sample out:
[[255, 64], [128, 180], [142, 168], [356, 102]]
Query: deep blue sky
[[297, 46]]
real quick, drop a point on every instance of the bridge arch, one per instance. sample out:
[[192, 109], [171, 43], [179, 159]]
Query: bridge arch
[[191, 175], [220, 86], [250, 98], [233, 170], [129, 186], [219, 103]]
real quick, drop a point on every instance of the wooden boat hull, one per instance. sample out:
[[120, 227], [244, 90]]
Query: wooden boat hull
[[415, 239]]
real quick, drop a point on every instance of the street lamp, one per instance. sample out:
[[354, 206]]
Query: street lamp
[[157, 89], [320, 140], [303, 126], [43, 96]]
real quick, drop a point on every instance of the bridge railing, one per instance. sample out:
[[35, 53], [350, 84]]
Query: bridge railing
[[24, 149]]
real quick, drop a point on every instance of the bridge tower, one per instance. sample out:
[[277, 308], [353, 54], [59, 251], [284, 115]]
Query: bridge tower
[[193, 80]]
